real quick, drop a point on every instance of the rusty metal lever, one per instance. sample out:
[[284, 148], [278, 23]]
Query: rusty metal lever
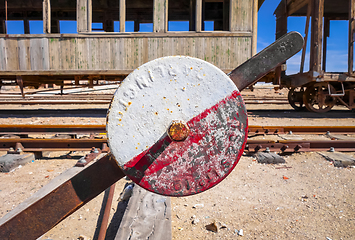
[[271, 57]]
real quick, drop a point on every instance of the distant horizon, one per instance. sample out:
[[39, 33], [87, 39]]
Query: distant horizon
[[337, 53]]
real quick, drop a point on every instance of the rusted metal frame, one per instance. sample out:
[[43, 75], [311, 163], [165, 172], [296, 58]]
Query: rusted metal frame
[[19, 82], [306, 31], [103, 227], [52, 129], [300, 146], [59, 199], [271, 130], [316, 36], [325, 38], [256, 67], [351, 37], [101, 129]]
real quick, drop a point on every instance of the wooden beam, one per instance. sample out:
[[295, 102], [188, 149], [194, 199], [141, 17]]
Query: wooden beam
[[198, 15], [254, 28], [84, 15], [122, 15], [351, 36], [46, 16], [315, 63], [160, 16], [309, 9], [293, 6]]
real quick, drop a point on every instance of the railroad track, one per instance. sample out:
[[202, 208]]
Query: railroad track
[[103, 99], [38, 138]]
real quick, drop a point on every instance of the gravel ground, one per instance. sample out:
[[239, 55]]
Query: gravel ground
[[310, 199]]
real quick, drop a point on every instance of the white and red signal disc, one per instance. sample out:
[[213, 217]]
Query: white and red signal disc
[[177, 89]]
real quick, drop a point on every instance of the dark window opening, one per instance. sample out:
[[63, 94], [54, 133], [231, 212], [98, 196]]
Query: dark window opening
[[139, 16], [181, 15]]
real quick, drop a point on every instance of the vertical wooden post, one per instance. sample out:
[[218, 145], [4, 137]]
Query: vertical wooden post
[[160, 16], [351, 36], [316, 36], [46, 16], [281, 29], [254, 28], [122, 15], [198, 15], [309, 10], [84, 15], [192, 20], [325, 38]]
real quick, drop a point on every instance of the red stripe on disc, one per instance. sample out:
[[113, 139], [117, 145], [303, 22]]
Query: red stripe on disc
[[214, 146]]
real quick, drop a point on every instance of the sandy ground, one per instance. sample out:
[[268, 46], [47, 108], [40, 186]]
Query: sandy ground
[[311, 199]]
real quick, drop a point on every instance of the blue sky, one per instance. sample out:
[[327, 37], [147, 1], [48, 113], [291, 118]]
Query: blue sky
[[337, 54], [337, 42]]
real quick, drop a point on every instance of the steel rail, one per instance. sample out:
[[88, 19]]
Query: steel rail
[[38, 145], [19, 129]]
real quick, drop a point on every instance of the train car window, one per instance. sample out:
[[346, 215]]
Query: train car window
[[104, 14], [181, 15], [140, 12], [215, 15]]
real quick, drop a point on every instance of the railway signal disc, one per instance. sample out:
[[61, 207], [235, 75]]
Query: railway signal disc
[[177, 126]]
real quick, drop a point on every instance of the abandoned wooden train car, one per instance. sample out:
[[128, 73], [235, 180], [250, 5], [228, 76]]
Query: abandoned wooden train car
[[318, 90], [113, 37]]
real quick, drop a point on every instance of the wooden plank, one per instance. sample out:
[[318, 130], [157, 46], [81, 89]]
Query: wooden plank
[[9, 162], [198, 26], [240, 15], [54, 53], [45, 54], [36, 54], [338, 159], [315, 62], [254, 27], [122, 16], [24, 53], [160, 15], [46, 16], [148, 216], [2, 54], [351, 36], [11, 51], [294, 5]]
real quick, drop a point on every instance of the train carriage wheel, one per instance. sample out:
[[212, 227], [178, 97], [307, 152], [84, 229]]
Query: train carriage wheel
[[295, 98], [317, 99]]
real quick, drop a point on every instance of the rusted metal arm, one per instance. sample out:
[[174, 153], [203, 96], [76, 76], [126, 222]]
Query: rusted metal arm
[[57, 200], [274, 55]]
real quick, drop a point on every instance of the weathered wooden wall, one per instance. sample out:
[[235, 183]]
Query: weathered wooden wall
[[123, 52]]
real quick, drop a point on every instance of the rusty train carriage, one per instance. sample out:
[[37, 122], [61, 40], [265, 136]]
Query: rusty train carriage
[[34, 59], [318, 90]]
